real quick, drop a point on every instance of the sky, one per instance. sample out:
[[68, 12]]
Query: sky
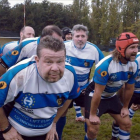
[[65, 2]]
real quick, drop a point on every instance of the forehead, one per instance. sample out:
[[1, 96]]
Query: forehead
[[29, 30], [133, 45], [68, 34], [79, 32], [48, 53]]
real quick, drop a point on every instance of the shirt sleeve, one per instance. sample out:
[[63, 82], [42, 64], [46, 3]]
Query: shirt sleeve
[[17, 54], [99, 55], [101, 75], [75, 91], [6, 93], [132, 78]]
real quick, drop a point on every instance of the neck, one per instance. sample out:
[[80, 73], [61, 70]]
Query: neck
[[123, 60]]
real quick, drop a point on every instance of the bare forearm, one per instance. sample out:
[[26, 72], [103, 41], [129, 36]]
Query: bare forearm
[[62, 110], [3, 120], [127, 96], [95, 103], [2, 70]]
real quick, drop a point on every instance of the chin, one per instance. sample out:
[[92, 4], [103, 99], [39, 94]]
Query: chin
[[80, 47], [133, 59]]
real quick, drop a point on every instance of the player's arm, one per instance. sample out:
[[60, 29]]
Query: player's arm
[[120, 93], [61, 110], [5, 127], [128, 92], [95, 103], [3, 67], [3, 121], [52, 133]]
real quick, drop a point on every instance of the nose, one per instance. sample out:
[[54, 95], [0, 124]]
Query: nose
[[136, 49], [80, 38], [54, 67]]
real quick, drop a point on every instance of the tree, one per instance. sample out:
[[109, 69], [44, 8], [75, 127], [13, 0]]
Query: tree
[[5, 20]]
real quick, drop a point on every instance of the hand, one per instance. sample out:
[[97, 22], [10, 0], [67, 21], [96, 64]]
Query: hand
[[12, 134], [94, 119], [52, 134], [124, 112]]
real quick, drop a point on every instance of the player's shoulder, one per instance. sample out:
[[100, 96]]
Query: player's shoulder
[[92, 46], [24, 63], [105, 60], [29, 40], [11, 43], [138, 56], [68, 43], [69, 68]]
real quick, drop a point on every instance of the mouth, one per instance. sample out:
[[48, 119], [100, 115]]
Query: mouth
[[133, 56], [80, 42], [52, 75]]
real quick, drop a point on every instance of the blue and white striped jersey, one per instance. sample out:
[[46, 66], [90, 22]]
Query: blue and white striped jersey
[[114, 74], [82, 60], [26, 49], [9, 46], [36, 101], [137, 79]]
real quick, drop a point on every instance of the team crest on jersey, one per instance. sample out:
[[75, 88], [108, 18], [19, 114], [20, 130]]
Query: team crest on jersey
[[60, 100], [103, 74], [28, 101], [68, 60], [130, 69], [86, 64], [129, 76], [3, 85], [15, 52], [113, 77]]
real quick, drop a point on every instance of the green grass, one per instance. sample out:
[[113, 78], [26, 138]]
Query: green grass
[[75, 130]]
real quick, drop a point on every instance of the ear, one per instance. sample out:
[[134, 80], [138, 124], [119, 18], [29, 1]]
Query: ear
[[37, 60], [21, 34]]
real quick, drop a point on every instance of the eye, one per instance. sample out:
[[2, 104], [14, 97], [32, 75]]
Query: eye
[[48, 62], [59, 61], [83, 36]]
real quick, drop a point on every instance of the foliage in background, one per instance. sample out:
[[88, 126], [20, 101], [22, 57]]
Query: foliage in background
[[105, 18]]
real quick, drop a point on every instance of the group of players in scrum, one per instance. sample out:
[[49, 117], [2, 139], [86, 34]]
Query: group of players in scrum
[[36, 92]]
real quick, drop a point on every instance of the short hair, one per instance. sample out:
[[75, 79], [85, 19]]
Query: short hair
[[23, 28], [51, 43], [50, 29], [79, 27]]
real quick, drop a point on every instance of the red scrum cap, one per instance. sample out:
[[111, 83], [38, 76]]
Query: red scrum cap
[[124, 40]]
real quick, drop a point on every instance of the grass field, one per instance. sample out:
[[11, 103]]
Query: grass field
[[75, 130]]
